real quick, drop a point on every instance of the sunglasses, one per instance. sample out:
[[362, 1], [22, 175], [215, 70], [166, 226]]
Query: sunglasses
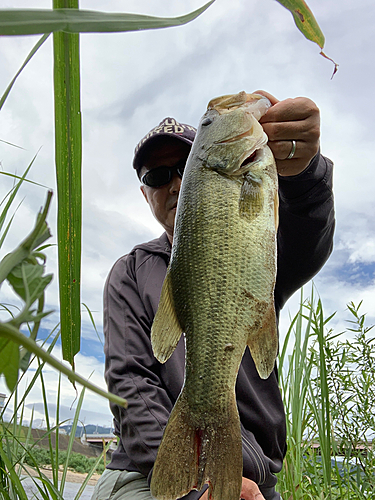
[[160, 176]]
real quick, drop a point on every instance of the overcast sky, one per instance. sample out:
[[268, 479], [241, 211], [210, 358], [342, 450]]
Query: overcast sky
[[131, 81]]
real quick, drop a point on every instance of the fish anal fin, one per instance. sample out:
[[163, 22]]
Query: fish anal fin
[[263, 342], [251, 197], [166, 330], [191, 455]]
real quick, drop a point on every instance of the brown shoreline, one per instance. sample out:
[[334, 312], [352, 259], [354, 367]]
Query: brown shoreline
[[71, 477]]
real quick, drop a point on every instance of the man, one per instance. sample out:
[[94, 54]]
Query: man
[[133, 289]]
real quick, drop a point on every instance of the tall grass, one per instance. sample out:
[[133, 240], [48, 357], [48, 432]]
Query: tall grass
[[18, 451], [325, 381]]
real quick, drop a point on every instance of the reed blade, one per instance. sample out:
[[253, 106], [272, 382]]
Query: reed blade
[[33, 21], [68, 154]]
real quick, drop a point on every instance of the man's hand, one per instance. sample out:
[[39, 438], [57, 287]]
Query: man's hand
[[249, 491], [293, 119]]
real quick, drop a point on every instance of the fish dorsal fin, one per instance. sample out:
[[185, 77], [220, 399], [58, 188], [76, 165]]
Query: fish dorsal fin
[[251, 197], [166, 330], [264, 343]]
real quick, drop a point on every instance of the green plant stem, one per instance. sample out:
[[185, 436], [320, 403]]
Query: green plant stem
[[11, 333]]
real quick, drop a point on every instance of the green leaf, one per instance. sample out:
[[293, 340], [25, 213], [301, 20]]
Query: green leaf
[[305, 20], [17, 488], [92, 322], [71, 439], [25, 274], [11, 144], [25, 355], [26, 180], [32, 52], [68, 140], [12, 194], [9, 358], [37, 236], [33, 21], [307, 24], [9, 333], [27, 280]]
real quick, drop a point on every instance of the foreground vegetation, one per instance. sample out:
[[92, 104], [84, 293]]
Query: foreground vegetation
[[327, 382], [19, 451], [76, 462]]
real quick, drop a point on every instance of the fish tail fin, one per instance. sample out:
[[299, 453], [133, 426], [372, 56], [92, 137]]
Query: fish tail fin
[[224, 456], [174, 471], [189, 456]]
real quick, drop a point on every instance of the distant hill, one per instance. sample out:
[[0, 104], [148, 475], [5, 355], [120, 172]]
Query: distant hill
[[40, 438], [89, 429]]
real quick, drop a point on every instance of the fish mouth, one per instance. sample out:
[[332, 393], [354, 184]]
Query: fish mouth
[[246, 161], [251, 158]]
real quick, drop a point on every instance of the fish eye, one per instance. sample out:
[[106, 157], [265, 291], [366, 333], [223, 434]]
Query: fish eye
[[206, 121]]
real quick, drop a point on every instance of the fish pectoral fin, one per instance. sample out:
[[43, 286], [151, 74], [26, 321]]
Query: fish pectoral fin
[[166, 329], [251, 197], [264, 343]]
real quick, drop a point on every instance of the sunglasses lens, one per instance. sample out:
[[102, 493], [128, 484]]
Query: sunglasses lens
[[160, 176], [157, 177]]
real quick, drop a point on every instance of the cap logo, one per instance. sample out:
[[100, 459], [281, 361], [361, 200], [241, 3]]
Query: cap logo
[[168, 126]]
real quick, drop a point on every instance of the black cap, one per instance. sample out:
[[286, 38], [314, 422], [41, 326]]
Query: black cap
[[168, 127]]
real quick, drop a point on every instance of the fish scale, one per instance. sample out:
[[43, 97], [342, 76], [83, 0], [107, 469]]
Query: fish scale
[[218, 291], [210, 284]]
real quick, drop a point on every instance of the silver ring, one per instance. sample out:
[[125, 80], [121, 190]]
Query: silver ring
[[292, 151]]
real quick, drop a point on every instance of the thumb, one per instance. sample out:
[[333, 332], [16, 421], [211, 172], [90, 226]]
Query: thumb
[[270, 97]]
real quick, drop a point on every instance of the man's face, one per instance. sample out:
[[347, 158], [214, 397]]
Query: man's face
[[163, 199]]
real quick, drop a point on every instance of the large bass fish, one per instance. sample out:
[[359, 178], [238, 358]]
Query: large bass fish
[[219, 292]]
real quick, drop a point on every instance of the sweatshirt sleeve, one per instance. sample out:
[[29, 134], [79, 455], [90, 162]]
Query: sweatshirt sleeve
[[306, 226], [131, 370]]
